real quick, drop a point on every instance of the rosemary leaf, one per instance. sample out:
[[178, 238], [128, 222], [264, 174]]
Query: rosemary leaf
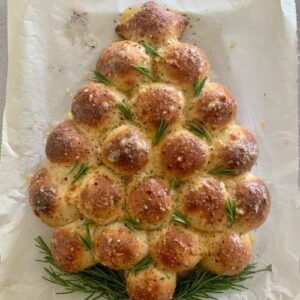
[[74, 167], [88, 222], [160, 130], [199, 86], [149, 49], [179, 217], [175, 183], [44, 250], [220, 171], [231, 211], [143, 71], [202, 284], [132, 224], [87, 239], [98, 77], [125, 110], [81, 172], [142, 265], [201, 131]]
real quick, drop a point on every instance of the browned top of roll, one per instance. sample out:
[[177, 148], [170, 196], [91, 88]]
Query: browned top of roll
[[156, 103], [153, 24], [183, 154], [151, 284], [66, 144], [93, 103], [149, 202], [126, 150]]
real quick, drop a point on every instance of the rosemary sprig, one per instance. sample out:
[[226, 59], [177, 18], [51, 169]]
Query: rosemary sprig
[[98, 77], [142, 265], [132, 224], [179, 217], [44, 250], [201, 284], [175, 183], [96, 282], [230, 211], [143, 71], [74, 167], [81, 172], [201, 131], [88, 222], [160, 130], [220, 171], [199, 86], [149, 49], [125, 111], [87, 239]]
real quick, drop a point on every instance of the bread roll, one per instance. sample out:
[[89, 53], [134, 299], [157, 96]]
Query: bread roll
[[153, 24], [150, 202], [67, 144], [117, 63], [118, 247], [151, 284], [68, 250]]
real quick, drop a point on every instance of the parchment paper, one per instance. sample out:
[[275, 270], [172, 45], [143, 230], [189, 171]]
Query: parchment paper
[[53, 44]]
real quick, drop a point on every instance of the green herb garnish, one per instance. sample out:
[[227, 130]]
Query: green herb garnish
[[179, 217], [199, 86], [220, 171], [132, 224], [149, 49], [142, 265], [201, 131], [202, 284], [175, 183], [143, 71], [125, 110], [87, 239], [231, 211], [81, 172], [160, 130], [74, 167], [98, 77]]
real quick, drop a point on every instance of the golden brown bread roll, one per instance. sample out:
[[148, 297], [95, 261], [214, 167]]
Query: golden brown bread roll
[[237, 150], [253, 202], [203, 202], [151, 284], [102, 197], [229, 253], [126, 150], [118, 247], [68, 250], [183, 153], [153, 24], [66, 144], [182, 64], [150, 202], [94, 103], [48, 200], [157, 102], [216, 106], [176, 249], [117, 63]]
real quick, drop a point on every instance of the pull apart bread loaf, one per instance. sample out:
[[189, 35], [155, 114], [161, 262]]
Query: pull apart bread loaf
[[154, 160]]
